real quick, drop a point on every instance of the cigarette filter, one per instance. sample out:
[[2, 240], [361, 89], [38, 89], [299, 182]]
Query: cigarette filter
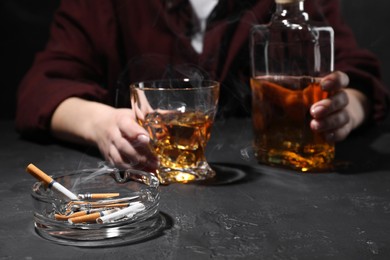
[[50, 182], [97, 195], [66, 217], [76, 214]]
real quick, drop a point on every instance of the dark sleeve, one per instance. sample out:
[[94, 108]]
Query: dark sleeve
[[73, 64], [360, 65]]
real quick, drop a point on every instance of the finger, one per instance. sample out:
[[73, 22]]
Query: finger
[[132, 141], [133, 132], [335, 81], [144, 158], [120, 152], [139, 149], [135, 155], [331, 122], [107, 147], [339, 134], [329, 105], [115, 158], [128, 126]]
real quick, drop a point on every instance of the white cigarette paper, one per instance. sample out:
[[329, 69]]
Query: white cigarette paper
[[64, 191], [129, 212]]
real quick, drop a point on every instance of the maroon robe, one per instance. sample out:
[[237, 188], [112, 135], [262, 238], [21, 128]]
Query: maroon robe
[[92, 42]]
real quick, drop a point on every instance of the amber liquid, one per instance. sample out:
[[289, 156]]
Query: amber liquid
[[179, 141], [281, 123]]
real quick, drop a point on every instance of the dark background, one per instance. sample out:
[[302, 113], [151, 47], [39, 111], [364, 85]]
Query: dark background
[[25, 27]]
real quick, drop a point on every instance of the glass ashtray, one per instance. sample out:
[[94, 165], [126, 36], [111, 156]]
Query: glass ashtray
[[130, 186]]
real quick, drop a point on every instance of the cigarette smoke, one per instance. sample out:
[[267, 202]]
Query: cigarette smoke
[[103, 168]]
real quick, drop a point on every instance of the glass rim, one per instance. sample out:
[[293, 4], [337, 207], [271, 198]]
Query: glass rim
[[145, 85]]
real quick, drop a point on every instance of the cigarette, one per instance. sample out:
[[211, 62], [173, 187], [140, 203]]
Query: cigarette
[[90, 206], [50, 182], [76, 214], [117, 200], [76, 205], [129, 212], [102, 202], [97, 195], [89, 217]]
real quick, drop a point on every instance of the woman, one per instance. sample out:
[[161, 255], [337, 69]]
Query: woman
[[70, 88]]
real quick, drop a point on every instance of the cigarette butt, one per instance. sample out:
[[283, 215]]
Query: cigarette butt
[[97, 195], [89, 217], [60, 216], [83, 203], [115, 205], [86, 218], [76, 214], [50, 182], [108, 205], [90, 206], [118, 200], [100, 202]]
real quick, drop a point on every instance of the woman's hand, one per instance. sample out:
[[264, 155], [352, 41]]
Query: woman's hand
[[344, 110], [122, 141], [115, 132]]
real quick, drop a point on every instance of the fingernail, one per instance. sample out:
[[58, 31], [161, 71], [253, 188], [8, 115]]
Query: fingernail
[[317, 110], [143, 138], [315, 125]]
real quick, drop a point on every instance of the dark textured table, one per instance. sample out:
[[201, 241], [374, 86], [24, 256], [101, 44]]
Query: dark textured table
[[248, 212]]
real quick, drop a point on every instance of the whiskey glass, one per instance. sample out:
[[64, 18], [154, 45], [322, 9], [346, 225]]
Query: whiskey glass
[[178, 115]]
